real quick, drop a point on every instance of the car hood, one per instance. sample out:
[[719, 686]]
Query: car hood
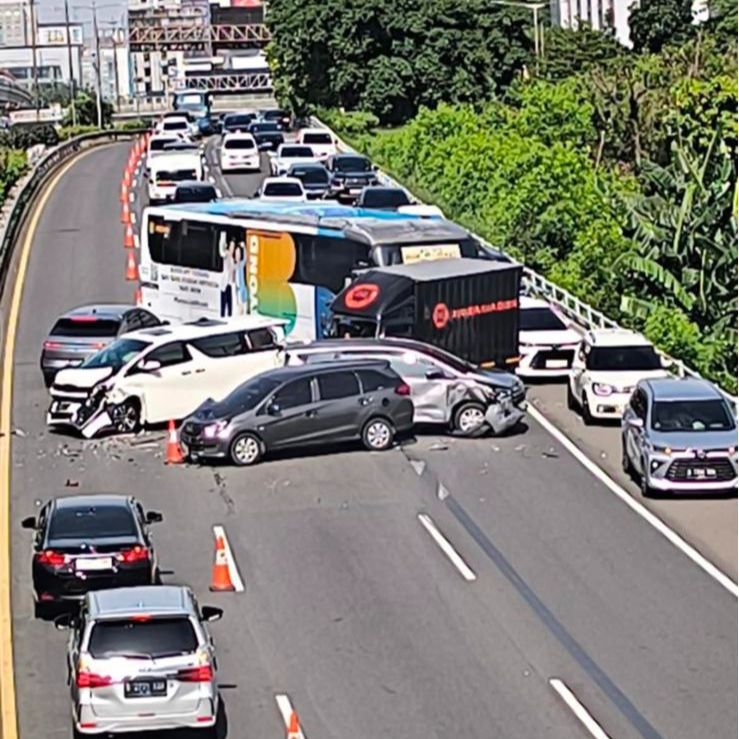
[[498, 378], [82, 377], [549, 338], [212, 410], [694, 439], [624, 379]]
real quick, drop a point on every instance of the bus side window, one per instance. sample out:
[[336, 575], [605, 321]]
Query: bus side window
[[326, 261]]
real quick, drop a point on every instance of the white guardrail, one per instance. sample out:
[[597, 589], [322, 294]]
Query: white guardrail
[[575, 309]]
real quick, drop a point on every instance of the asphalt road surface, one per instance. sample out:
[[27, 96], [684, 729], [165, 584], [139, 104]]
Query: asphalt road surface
[[350, 607]]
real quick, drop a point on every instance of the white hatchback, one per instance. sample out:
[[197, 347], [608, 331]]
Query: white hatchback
[[239, 151], [279, 189], [607, 365]]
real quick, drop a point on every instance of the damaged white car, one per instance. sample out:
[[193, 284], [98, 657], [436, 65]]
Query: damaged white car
[[444, 389], [164, 373]]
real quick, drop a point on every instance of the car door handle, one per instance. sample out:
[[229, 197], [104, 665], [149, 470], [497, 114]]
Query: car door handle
[[186, 372], [198, 371]]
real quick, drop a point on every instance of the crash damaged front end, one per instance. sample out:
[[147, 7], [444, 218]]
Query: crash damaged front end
[[85, 410], [504, 406]]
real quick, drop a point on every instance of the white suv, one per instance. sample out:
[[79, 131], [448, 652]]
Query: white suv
[[320, 140], [607, 365], [239, 151], [163, 373]]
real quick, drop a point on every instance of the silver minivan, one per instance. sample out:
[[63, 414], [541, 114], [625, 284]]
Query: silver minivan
[[444, 389], [141, 659]]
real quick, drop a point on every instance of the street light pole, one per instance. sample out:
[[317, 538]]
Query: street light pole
[[97, 65], [32, 9], [72, 91]]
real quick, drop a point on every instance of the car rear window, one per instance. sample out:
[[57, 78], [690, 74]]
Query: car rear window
[[154, 637], [373, 380], [159, 144], [86, 326], [92, 522], [312, 176], [296, 151], [385, 198], [317, 138], [176, 175], [239, 144], [283, 189], [195, 194], [175, 126]]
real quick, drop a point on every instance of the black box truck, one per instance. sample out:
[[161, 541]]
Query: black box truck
[[467, 306]]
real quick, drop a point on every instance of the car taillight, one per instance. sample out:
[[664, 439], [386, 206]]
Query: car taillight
[[202, 674], [136, 554], [87, 679], [403, 389], [51, 558], [52, 345]]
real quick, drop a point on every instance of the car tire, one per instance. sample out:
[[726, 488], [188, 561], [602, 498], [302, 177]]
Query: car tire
[[469, 420], [647, 491], [571, 402], [626, 465], [41, 610], [246, 449], [378, 434], [126, 416], [587, 416]]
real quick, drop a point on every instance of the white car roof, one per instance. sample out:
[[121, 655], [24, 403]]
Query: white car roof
[[203, 327], [616, 337], [284, 180], [237, 135], [313, 130], [176, 160]]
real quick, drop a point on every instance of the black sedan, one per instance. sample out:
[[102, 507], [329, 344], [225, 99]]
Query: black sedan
[[383, 198], [82, 331], [267, 134], [315, 178], [90, 542]]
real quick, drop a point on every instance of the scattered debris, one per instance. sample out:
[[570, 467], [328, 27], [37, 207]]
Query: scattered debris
[[519, 448], [438, 447], [441, 492], [19, 432], [72, 483], [551, 453], [495, 448], [418, 465]]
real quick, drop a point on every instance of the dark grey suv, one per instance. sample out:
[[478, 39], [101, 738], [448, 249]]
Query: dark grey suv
[[301, 406]]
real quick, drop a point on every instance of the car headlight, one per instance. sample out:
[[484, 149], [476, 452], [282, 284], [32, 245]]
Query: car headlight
[[213, 429], [602, 389]]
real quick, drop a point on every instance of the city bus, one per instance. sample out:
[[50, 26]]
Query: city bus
[[284, 260]]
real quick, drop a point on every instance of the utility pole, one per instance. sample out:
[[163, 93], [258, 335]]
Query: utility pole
[[72, 91], [97, 64], [32, 8]]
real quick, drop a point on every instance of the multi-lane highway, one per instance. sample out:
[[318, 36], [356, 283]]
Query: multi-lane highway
[[350, 606]]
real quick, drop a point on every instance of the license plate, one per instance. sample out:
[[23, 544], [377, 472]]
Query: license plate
[[98, 563], [701, 473], [555, 363], [144, 688]]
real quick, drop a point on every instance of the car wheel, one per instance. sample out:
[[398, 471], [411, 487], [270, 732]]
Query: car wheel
[[586, 415], [126, 417], [377, 435], [41, 610], [647, 490], [246, 449], [571, 402], [626, 465], [469, 419]]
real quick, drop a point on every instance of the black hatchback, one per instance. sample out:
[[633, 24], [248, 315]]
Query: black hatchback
[[90, 542], [302, 406]]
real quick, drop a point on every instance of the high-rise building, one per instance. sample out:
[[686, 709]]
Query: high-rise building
[[15, 23]]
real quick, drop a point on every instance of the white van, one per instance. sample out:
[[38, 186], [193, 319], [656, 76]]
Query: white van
[[163, 373], [171, 168]]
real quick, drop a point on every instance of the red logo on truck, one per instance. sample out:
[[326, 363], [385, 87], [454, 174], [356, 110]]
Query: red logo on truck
[[442, 315], [361, 295]]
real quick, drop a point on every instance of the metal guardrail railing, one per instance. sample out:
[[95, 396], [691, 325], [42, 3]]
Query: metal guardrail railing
[[575, 309], [32, 184]]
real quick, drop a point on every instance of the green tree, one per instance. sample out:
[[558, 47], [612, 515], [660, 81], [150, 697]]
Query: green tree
[[569, 52], [655, 23]]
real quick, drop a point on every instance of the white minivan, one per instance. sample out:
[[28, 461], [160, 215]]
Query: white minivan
[[171, 168], [163, 373]]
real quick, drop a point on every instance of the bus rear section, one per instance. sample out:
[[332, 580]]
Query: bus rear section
[[168, 170]]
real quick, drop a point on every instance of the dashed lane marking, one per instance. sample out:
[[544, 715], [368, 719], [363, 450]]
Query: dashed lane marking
[[286, 710], [581, 713], [443, 543]]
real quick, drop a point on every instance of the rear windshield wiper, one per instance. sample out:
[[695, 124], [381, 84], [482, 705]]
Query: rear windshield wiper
[[177, 653], [125, 655]]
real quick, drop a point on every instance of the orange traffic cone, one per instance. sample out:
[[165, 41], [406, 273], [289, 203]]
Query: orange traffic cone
[[126, 212], [221, 577], [127, 177], [174, 453], [124, 191], [293, 728], [129, 240], [132, 271]]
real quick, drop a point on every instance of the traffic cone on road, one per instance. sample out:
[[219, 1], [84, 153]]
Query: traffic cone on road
[[221, 577], [125, 212], [129, 238], [124, 191], [293, 728], [132, 271], [174, 451]]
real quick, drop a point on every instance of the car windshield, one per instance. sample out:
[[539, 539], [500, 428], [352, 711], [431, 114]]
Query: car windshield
[[265, 127], [317, 138], [233, 121], [282, 189], [116, 355], [142, 636], [249, 395], [385, 198], [92, 522], [540, 319], [623, 358], [176, 175], [82, 326], [691, 415], [239, 144], [175, 125], [312, 176], [203, 194], [353, 164], [296, 151]]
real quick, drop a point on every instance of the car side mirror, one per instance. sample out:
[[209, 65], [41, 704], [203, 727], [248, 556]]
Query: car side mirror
[[154, 517], [434, 374], [211, 613], [375, 168], [150, 365], [65, 621], [273, 409], [666, 362], [636, 422], [29, 523]]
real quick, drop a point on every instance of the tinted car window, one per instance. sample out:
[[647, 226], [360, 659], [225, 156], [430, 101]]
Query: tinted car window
[[120, 352], [296, 151], [622, 358], [94, 522], [170, 354], [317, 138], [540, 319], [148, 319], [222, 345], [373, 380], [335, 385], [295, 393], [155, 637], [691, 415], [159, 144], [352, 164], [85, 326], [261, 338], [239, 144], [310, 175], [282, 189], [200, 194], [250, 394], [265, 128], [176, 175], [385, 198]]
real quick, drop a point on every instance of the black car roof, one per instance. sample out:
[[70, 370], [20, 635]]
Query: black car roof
[[289, 373], [111, 500], [349, 155], [100, 310]]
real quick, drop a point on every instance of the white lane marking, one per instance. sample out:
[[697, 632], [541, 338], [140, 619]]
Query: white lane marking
[[233, 570], [653, 520], [286, 710], [443, 543], [133, 217], [219, 193], [131, 197], [211, 179], [577, 708]]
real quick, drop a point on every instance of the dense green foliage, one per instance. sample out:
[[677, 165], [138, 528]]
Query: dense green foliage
[[25, 136], [617, 181], [391, 57], [12, 165], [656, 23]]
